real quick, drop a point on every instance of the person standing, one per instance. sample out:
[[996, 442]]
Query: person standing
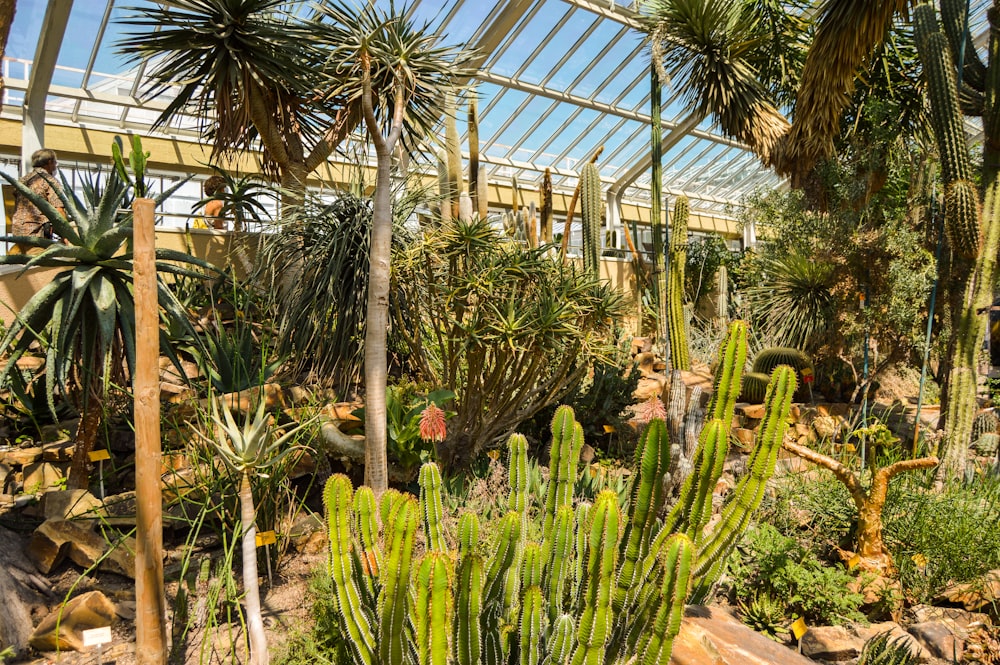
[[27, 219]]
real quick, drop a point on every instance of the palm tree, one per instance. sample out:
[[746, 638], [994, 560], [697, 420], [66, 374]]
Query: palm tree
[[738, 60], [252, 74], [399, 74], [84, 318]]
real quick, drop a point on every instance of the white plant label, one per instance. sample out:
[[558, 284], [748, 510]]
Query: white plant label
[[96, 636]]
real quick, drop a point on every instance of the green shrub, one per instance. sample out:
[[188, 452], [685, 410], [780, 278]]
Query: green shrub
[[778, 566]]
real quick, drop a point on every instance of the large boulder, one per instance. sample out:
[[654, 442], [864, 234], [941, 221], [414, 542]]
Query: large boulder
[[712, 636], [57, 539]]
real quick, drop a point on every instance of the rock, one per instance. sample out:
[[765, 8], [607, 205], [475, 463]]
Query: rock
[[58, 451], [938, 640], [308, 534], [587, 453], [70, 504], [976, 594], [839, 643], [831, 643], [826, 427], [6, 475], [305, 465], [957, 620], [21, 456], [712, 636], [56, 539], [42, 476], [649, 387], [90, 610], [753, 411], [17, 593], [745, 437], [641, 345]]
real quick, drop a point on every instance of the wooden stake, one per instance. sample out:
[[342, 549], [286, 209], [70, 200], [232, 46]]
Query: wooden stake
[[150, 614]]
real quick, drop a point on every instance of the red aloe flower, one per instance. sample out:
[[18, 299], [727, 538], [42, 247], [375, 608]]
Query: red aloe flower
[[432, 425]]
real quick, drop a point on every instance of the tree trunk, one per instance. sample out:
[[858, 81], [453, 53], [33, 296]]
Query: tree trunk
[[251, 587], [377, 323], [86, 435], [7, 10]]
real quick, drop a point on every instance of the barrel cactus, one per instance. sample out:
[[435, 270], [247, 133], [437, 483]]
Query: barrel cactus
[[754, 387], [601, 585]]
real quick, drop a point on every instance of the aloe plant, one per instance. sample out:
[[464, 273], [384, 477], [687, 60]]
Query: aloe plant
[[602, 584], [84, 317], [249, 449]]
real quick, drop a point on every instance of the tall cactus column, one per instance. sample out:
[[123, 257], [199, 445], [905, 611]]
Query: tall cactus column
[[974, 239], [680, 356], [590, 209]]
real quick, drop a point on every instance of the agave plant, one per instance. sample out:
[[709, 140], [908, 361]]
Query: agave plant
[[84, 317], [249, 449]]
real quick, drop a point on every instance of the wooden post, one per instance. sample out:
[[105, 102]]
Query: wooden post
[[150, 615]]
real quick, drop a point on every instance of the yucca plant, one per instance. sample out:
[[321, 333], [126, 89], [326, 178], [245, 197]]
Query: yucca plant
[[84, 317], [249, 449], [794, 301], [242, 199]]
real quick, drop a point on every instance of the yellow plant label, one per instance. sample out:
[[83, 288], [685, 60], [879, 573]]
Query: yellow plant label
[[493, 454], [920, 560], [850, 447], [609, 429], [799, 628], [853, 562], [98, 455], [266, 538]]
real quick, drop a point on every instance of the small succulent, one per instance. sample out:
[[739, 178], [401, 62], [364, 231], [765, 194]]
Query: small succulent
[[883, 650], [766, 616]]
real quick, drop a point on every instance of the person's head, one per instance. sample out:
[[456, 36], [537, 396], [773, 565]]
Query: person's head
[[45, 159], [214, 185]]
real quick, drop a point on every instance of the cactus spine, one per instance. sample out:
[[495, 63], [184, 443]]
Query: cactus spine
[[680, 357], [599, 587], [590, 213]]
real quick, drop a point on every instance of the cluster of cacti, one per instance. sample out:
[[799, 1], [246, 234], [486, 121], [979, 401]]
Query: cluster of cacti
[[680, 357], [972, 216], [455, 203], [600, 587], [591, 205]]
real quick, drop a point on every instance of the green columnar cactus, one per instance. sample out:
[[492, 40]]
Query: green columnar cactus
[[652, 463], [567, 440], [972, 214], [621, 593], [749, 492], [453, 151], [444, 187], [545, 210], [356, 623], [590, 213], [557, 553], [656, 645], [389, 499], [474, 173], [367, 528], [518, 473], [431, 508], [468, 608], [680, 356], [468, 534], [394, 597], [602, 558], [432, 609], [727, 384]]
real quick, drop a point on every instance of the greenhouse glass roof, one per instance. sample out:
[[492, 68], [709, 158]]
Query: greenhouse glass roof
[[557, 79]]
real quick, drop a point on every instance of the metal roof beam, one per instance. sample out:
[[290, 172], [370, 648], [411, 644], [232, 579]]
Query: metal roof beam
[[46, 54]]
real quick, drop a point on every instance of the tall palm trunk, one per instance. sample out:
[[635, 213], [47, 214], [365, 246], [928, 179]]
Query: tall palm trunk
[[251, 588]]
